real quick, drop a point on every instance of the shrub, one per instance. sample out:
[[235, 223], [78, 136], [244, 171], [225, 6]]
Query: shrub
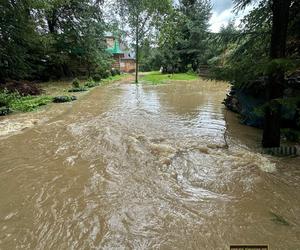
[[103, 73], [76, 83], [97, 77], [79, 89], [291, 134], [113, 72], [91, 84], [5, 111], [90, 79], [62, 99], [7, 98], [107, 74]]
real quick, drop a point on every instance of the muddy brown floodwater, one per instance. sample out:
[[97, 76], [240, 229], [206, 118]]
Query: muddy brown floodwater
[[144, 167]]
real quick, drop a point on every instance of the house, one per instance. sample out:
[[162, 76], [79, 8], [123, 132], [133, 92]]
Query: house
[[124, 60]]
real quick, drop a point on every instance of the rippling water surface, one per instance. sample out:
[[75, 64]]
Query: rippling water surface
[[144, 167]]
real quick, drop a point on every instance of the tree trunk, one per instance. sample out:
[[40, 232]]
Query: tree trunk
[[52, 21], [137, 54], [271, 134]]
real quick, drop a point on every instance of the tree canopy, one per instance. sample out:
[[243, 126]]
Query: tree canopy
[[53, 38]]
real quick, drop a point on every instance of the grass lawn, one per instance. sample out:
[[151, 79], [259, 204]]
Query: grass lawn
[[156, 77]]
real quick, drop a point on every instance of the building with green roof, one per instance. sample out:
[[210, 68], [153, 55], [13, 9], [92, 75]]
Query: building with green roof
[[123, 59]]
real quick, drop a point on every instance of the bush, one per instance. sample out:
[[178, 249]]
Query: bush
[[79, 89], [291, 134], [91, 84], [76, 83], [108, 74], [5, 111], [97, 78], [103, 73], [7, 98], [62, 99], [114, 72]]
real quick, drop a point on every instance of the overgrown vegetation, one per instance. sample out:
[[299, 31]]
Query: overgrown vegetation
[[16, 102]]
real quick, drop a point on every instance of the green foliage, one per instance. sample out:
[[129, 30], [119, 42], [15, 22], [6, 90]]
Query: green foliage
[[78, 89], [142, 16], [291, 134], [159, 78], [5, 111], [76, 83], [62, 99], [183, 36], [29, 103], [112, 79], [5, 102], [102, 73], [7, 98], [46, 39], [282, 64], [97, 77], [149, 56], [243, 55], [115, 72], [91, 83]]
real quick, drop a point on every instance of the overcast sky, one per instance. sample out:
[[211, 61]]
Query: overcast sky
[[223, 13]]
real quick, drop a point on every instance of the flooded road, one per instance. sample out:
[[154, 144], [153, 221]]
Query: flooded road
[[145, 167]]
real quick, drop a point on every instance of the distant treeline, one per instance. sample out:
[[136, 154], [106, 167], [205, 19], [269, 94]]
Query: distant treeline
[[237, 54]]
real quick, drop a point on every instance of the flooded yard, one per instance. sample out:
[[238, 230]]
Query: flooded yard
[[143, 167]]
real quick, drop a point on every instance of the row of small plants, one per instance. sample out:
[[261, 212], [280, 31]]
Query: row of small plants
[[77, 87], [15, 102]]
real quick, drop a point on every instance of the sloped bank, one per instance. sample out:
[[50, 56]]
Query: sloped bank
[[248, 102]]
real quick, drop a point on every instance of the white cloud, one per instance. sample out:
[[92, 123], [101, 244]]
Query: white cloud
[[219, 20], [222, 18]]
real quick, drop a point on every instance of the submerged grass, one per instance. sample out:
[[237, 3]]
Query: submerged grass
[[156, 77], [53, 92], [279, 219], [112, 79]]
